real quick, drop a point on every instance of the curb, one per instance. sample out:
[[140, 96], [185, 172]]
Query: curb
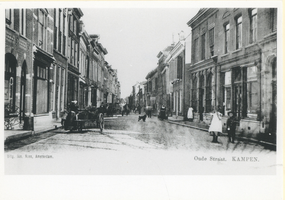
[[238, 137], [186, 125], [27, 134]]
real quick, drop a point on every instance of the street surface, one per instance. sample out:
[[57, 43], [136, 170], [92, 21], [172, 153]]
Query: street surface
[[127, 146]]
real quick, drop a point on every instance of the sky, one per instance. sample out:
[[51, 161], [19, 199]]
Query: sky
[[133, 37]]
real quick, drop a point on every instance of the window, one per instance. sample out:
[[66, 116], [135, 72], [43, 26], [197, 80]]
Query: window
[[273, 19], [253, 25], [195, 50], [227, 92], [9, 15], [75, 26], [180, 100], [252, 90], [42, 33], [64, 37], [69, 49], [72, 52], [149, 86], [42, 72], [194, 93], [203, 47], [71, 23], [228, 98], [227, 37], [211, 41], [238, 32], [179, 67], [174, 102], [59, 30], [23, 22], [10, 82], [55, 31], [41, 29], [75, 55]]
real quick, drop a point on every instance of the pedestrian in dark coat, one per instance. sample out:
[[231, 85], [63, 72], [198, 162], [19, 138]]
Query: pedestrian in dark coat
[[231, 127]]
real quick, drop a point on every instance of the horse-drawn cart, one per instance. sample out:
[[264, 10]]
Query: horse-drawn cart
[[91, 117]]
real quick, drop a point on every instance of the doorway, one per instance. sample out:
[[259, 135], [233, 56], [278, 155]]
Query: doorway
[[23, 92]]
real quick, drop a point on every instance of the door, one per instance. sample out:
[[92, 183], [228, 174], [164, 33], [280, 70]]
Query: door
[[273, 114], [41, 88], [201, 97]]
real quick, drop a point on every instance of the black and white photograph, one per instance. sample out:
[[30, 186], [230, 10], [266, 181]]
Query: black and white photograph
[[153, 100]]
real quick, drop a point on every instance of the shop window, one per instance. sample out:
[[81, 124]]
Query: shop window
[[252, 97], [194, 94], [227, 91], [41, 72], [228, 98], [252, 90]]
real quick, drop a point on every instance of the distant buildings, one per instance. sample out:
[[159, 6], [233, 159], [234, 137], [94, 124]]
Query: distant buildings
[[50, 60]]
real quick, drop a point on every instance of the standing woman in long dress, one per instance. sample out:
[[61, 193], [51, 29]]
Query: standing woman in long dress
[[216, 125]]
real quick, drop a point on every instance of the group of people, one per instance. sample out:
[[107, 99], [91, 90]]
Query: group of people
[[216, 126]]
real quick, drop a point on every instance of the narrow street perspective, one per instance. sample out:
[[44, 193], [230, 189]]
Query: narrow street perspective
[[142, 100], [198, 93]]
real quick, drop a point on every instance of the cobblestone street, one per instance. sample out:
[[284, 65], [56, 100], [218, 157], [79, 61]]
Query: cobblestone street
[[130, 147]]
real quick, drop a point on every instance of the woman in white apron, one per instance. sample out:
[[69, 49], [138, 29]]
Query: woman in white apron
[[216, 125]]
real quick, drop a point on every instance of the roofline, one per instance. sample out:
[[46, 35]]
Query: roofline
[[190, 22]]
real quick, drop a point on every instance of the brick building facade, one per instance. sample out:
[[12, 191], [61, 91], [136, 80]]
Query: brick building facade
[[233, 67]]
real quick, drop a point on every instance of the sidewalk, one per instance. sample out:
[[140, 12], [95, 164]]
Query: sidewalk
[[41, 124], [196, 125], [205, 127]]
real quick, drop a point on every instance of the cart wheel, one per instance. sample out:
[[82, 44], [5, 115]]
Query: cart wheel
[[101, 122]]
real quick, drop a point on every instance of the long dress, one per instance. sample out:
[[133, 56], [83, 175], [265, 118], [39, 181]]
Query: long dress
[[216, 124], [190, 113]]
